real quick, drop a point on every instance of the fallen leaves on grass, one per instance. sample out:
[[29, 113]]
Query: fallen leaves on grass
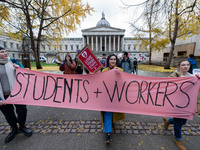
[[153, 68]]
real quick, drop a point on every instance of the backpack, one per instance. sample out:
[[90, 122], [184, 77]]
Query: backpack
[[135, 62]]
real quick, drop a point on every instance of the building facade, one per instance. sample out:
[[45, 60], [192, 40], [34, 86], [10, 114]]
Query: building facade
[[101, 39], [183, 48]]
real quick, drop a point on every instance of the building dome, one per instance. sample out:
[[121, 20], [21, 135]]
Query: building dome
[[103, 22]]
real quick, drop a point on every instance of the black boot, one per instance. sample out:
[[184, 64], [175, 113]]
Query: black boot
[[11, 135], [27, 131], [108, 138]]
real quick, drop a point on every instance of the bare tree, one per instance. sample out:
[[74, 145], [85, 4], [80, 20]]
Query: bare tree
[[148, 22]]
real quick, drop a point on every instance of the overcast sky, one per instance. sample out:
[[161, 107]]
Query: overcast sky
[[114, 13]]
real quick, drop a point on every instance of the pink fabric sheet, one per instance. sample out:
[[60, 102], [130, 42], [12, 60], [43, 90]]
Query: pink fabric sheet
[[113, 91]]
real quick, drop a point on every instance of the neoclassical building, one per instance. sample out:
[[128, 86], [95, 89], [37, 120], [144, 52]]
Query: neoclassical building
[[103, 38]]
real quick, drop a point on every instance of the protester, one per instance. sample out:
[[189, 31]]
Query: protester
[[193, 63], [103, 61], [135, 66], [68, 65], [109, 118], [79, 66], [126, 63], [183, 67], [7, 78]]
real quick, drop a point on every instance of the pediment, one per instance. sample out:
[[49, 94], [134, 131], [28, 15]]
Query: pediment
[[103, 29]]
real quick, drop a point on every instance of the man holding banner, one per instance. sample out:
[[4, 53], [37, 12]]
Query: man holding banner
[[7, 79]]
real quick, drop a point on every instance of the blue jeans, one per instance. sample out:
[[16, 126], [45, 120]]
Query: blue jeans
[[107, 121], [178, 123]]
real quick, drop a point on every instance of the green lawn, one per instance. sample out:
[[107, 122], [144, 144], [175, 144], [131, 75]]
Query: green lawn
[[43, 64]]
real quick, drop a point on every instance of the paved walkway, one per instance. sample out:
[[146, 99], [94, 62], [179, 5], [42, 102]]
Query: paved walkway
[[95, 126]]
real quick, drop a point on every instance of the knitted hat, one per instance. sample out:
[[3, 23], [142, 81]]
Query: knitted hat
[[1, 48]]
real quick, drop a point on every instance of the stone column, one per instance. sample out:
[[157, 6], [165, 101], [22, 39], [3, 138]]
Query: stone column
[[118, 44], [114, 43], [109, 43], [87, 40], [105, 44], [96, 43], [100, 44], [92, 42], [83, 41], [122, 42]]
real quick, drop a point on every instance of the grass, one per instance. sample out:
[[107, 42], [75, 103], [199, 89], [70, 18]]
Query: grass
[[154, 68], [42, 64], [55, 67], [45, 66]]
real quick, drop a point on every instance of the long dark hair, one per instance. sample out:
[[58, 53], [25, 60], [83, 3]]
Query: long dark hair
[[107, 61], [69, 59]]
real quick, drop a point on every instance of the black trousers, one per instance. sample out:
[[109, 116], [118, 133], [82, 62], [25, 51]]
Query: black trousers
[[11, 118]]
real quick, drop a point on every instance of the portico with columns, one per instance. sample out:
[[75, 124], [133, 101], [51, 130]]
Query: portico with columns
[[103, 38]]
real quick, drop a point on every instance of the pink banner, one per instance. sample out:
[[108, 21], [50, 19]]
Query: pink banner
[[113, 91]]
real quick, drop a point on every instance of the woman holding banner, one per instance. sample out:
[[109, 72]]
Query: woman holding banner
[[183, 67], [109, 118], [68, 66]]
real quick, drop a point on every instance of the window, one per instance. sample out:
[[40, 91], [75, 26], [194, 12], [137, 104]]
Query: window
[[129, 47], [65, 47], [72, 47], [54, 47], [43, 47], [60, 47], [11, 45], [13, 55], [19, 55], [134, 47], [49, 47], [182, 53], [77, 46], [17, 45], [165, 56], [4, 44]]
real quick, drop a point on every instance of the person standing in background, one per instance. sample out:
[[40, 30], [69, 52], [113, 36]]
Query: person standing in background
[[79, 66], [68, 66], [126, 63], [135, 66], [193, 63], [103, 61]]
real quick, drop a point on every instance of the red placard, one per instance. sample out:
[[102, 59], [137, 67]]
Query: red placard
[[89, 60]]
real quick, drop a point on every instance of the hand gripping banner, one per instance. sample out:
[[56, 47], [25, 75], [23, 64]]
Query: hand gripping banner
[[113, 91]]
